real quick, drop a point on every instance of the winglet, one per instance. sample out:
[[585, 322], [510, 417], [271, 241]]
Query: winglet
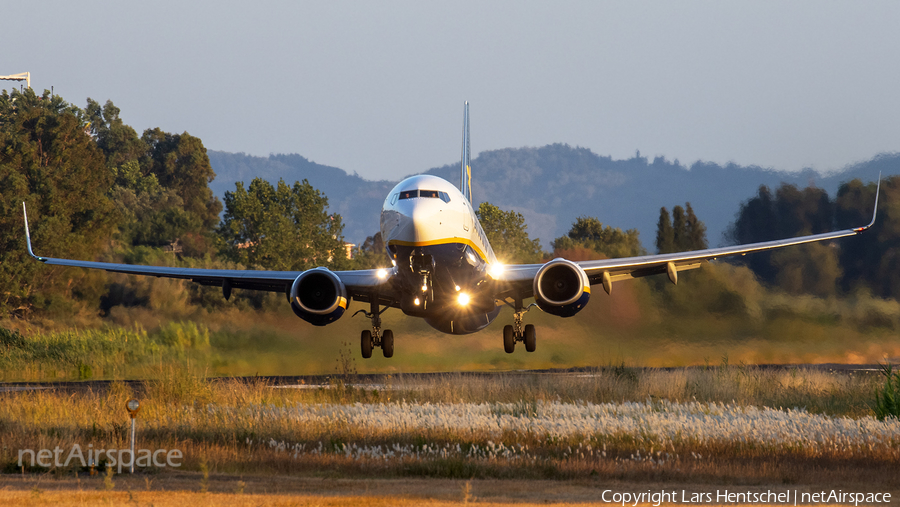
[[28, 234], [875, 211]]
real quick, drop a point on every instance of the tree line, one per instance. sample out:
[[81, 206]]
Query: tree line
[[870, 261], [95, 189]]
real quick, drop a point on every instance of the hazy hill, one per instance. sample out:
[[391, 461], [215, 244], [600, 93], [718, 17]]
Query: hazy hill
[[553, 185]]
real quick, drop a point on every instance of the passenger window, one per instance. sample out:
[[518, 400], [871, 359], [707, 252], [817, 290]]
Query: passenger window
[[409, 194]]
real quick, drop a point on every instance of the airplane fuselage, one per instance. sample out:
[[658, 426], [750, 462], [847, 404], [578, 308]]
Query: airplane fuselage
[[441, 254]]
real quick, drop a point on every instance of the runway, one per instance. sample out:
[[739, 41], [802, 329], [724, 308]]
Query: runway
[[382, 381]]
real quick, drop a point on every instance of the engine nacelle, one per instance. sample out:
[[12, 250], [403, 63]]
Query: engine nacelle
[[561, 288], [318, 296]]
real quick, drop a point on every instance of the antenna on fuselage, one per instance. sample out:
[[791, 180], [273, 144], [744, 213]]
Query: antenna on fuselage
[[465, 178]]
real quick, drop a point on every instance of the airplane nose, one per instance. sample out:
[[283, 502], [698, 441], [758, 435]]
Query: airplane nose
[[422, 215], [422, 212]]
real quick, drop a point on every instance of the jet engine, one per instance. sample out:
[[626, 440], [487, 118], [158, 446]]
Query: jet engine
[[318, 296], [561, 288]]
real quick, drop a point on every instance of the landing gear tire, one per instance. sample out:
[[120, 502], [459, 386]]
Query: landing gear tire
[[529, 338], [366, 343], [509, 339], [387, 343]]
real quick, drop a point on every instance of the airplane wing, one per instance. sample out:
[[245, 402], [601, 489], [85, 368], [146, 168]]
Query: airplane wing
[[517, 280], [361, 284]]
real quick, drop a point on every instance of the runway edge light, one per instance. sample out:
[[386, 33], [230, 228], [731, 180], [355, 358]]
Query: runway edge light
[[133, 406]]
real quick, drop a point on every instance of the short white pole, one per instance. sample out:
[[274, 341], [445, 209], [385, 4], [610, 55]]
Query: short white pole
[[133, 406], [132, 444]]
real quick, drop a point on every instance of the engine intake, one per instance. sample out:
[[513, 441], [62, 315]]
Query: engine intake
[[318, 296], [561, 288]]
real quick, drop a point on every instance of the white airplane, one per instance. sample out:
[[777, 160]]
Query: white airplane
[[444, 269]]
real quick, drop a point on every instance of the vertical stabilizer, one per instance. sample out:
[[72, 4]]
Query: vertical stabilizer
[[465, 180]]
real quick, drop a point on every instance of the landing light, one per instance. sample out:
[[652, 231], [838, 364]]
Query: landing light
[[416, 302], [462, 299], [133, 406], [381, 274], [425, 288], [496, 270]]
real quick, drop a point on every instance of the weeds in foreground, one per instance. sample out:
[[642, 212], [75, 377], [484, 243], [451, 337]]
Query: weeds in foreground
[[204, 480], [84, 354], [467, 493], [609, 422], [887, 398], [346, 362], [108, 484]]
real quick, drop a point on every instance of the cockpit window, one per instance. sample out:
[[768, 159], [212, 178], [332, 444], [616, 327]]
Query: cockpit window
[[394, 199], [431, 194]]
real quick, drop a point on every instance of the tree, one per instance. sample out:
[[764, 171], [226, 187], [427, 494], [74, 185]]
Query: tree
[[371, 254], [696, 230], [684, 233], [180, 163], [161, 182], [679, 228], [871, 259], [284, 228], [807, 269], [590, 233], [119, 142], [49, 160], [506, 232], [665, 235], [754, 221], [791, 212]]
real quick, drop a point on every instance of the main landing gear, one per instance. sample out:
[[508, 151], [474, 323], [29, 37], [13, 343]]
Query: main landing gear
[[519, 333], [376, 337]]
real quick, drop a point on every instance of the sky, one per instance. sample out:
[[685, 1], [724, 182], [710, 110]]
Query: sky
[[377, 88]]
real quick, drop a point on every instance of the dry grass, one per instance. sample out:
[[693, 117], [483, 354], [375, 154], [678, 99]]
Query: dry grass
[[234, 427], [816, 390]]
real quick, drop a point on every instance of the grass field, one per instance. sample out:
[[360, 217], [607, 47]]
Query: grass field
[[502, 438], [720, 423], [276, 343], [724, 423]]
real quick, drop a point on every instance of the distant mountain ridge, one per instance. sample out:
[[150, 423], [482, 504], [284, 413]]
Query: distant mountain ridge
[[553, 185]]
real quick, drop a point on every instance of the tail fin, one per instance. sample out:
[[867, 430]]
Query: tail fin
[[465, 179]]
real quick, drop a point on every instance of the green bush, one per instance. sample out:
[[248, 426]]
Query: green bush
[[183, 336], [887, 399]]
